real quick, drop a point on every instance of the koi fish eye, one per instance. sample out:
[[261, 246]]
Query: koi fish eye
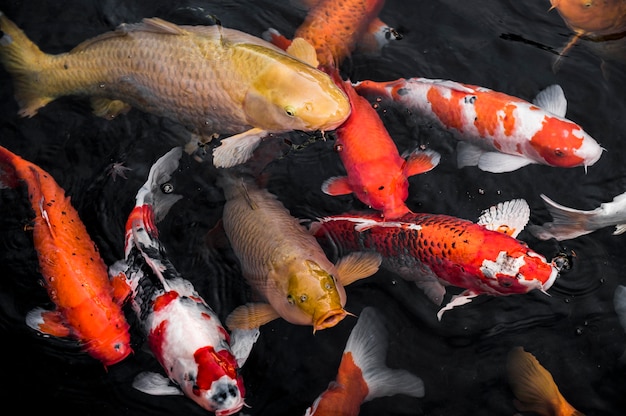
[[558, 153], [291, 300], [290, 111], [167, 188], [303, 298], [338, 148]]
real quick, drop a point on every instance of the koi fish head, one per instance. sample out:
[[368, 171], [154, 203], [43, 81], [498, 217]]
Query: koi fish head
[[272, 103], [519, 271], [318, 296], [113, 345], [596, 17], [387, 195], [214, 384], [562, 143]]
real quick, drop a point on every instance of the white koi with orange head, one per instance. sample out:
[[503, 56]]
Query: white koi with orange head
[[496, 132]]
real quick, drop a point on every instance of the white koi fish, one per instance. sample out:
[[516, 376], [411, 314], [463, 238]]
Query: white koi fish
[[496, 132], [183, 332]]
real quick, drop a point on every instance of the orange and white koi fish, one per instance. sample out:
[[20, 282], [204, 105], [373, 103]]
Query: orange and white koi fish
[[284, 263], [534, 386], [376, 173], [435, 251], [183, 332], [495, 131], [88, 305], [362, 374], [214, 79], [597, 20], [569, 223]]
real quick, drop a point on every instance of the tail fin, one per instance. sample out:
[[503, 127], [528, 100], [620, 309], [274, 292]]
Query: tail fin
[[534, 386], [22, 59], [368, 345], [568, 223]]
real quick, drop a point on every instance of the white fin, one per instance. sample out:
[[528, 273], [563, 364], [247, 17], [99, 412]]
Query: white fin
[[456, 301], [241, 343], [155, 384], [496, 162], [467, 154], [368, 345], [568, 223], [453, 85], [160, 172], [619, 229], [509, 217], [237, 149], [552, 99]]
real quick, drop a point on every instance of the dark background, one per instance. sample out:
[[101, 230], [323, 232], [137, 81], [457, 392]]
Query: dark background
[[507, 46]]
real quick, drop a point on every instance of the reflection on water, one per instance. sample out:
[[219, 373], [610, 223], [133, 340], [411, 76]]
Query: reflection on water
[[507, 46]]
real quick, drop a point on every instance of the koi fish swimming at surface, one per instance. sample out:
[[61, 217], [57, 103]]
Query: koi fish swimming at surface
[[88, 305], [182, 330], [435, 251], [211, 79], [495, 131], [283, 262]]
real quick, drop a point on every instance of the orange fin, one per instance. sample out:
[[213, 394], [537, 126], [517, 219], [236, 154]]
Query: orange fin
[[303, 50], [108, 109], [48, 322], [337, 185], [420, 161], [251, 315], [121, 289], [357, 265]]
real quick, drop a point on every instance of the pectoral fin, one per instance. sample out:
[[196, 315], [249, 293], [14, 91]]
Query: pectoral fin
[[48, 322], [552, 99], [109, 109], [420, 161], [250, 316], [303, 50], [357, 266], [237, 149], [337, 185], [509, 217], [241, 343], [494, 162], [155, 384], [462, 299]]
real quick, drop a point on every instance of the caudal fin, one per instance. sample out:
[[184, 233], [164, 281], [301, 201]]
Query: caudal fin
[[534, 386], [568, 223], [368, 345], [23, 60]]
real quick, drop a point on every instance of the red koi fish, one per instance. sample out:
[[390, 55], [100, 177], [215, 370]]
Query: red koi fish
[[496, 132], [376, 173], [534, 386], [183, 332], [440, 250], [88, 306], [362, 374]]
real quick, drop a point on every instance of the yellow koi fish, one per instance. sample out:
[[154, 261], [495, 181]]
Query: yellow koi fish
[[284, 263], [211, 79]]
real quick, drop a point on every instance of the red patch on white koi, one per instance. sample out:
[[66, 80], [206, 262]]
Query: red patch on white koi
[[164, 300], [212, 365]]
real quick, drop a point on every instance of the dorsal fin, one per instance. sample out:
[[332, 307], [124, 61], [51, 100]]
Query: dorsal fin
[[151, 24]]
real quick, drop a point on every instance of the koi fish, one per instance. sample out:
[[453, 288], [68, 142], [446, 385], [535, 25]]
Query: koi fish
[[214, 79], [88, 305], [597, 20], [337, 28], [376, 173], [183, 332], [362, 374], [496, 132], [436, 250], [534, 386], [569, 223], [284, 263]]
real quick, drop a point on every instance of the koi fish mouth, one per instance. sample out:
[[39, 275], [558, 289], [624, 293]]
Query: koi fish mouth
[[329, 319]]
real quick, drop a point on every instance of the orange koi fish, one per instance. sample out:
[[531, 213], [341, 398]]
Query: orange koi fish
[[534, 386], [362, 374], [182, 330], [376, 173], [436, 251], [597, 20], [495, 131], [88, 305]]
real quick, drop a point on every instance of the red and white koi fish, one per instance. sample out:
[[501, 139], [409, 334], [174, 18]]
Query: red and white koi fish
[[362, 374], [88, 306], [534, 386], [569, 223], [496, 132], [439, 250], [283, 263], [183, 332], [376, 173]]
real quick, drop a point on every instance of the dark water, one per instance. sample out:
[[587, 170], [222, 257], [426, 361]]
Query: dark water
[[504, 45]]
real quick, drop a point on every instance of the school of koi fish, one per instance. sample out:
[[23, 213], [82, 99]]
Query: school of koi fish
[[269, 241]]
